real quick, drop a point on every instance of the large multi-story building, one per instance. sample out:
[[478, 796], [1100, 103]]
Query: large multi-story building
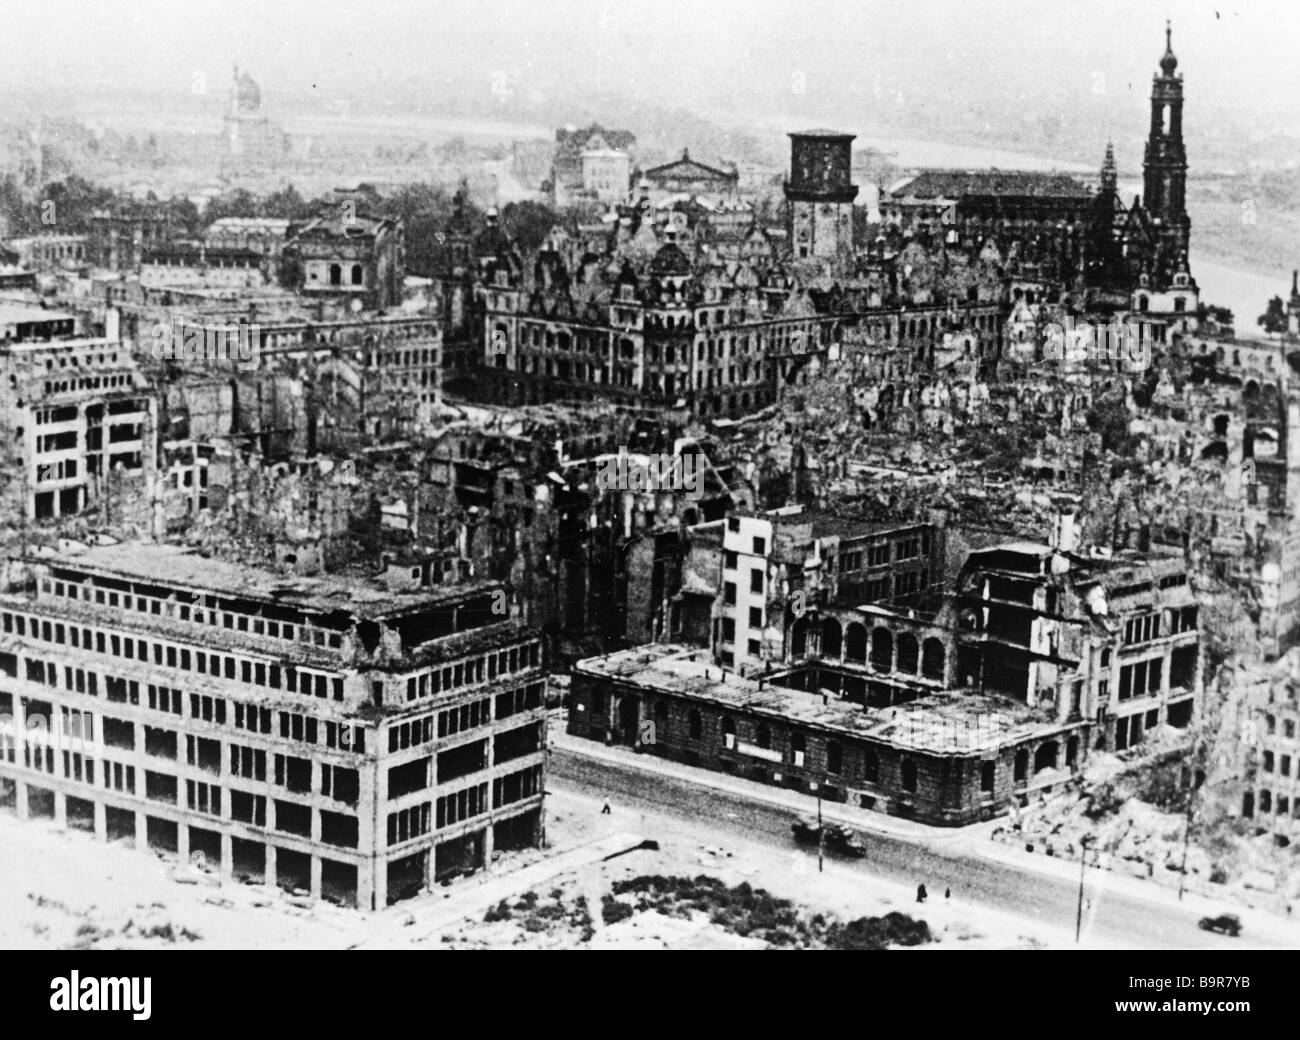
[[1051, 225], [345, 256], [945, 706], [784, 563], [354, 742], [1271, 746], [576, 178], [1114, 641], [78, 418]]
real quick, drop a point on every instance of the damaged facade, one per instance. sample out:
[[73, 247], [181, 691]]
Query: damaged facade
[[352, 742]]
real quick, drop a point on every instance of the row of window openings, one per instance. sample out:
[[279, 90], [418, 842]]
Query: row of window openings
[[481, 669], [1147, 627], [415, 821], [62, 386], [236, 622], [252, 673], [293, 726]]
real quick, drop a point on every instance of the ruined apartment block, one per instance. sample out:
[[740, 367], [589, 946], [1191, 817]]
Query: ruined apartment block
[[320, 735], [78, 420]]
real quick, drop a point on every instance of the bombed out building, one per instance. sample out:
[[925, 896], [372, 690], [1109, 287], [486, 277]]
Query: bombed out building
[[946, 705], [322, 735]]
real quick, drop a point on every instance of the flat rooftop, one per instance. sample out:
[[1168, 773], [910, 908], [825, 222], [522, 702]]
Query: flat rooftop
[[20, 314], [182, 568], [946, 723]]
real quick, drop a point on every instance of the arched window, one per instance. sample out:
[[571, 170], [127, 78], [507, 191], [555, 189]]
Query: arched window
[[764, 735], [855, 643], [799, 637], [834, 757], [909, 775], [830, 638], [907, 653], [933, 659], [882, 649], [1022, 765], [336, 274], [871, 765], [358, 277], [695, 724], [1046, 755]]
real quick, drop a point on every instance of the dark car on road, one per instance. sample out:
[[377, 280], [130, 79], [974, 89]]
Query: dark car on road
[[838, 838], [1226, 924]]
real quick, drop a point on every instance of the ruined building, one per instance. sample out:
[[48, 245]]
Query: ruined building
[[841, 669], [78, 423], [349, 741]]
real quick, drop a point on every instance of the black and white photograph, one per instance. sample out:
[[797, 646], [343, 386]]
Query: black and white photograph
[[582, 475]]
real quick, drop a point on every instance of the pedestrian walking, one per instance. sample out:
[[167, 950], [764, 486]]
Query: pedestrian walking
[[920, 893], [605, 811], [947, 893]]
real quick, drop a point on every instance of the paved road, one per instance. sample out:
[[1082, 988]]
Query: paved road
[[1116, 917]]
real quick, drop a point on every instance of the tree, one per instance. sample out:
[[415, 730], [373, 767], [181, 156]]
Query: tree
[[528, 223], [286, 204], [1273, 320]]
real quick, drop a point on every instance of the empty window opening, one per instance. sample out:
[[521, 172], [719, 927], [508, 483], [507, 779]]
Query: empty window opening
[[119, 824], [248, 860], [338, 829], [338, 882], [161, 834], [406, 876], [81, 814], [293, 871]]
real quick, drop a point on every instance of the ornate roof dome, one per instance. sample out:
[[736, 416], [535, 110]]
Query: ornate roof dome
[[670, 260], [492, 240]]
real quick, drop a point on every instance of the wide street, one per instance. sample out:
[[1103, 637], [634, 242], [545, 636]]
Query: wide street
[[938, 858]]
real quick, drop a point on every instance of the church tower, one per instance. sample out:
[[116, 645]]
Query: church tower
[[1165, 167], [1104, 252]]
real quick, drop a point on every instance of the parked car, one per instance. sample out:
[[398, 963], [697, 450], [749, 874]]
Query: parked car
[[838, 838], [1227, 924]]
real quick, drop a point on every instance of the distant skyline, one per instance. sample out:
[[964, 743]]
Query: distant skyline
[[843, 62]]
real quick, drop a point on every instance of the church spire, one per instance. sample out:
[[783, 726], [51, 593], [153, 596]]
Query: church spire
[[1169, 62], [1109, 176]]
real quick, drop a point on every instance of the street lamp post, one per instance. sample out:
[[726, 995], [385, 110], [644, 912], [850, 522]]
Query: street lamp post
[[1083, 863], [821, 831], [1187, 827]]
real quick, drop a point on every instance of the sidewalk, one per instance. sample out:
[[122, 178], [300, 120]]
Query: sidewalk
[[1256, 924], [428, 915], [973, 839], [796, 801]]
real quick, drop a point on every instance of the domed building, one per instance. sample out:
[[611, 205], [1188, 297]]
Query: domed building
[[249, 137]]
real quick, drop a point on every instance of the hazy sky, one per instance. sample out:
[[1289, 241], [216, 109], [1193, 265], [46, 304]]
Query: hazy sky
[[711, 55]]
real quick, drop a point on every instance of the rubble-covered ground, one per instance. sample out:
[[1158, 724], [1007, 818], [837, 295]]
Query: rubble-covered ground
[[1133, 814], [654, 911]]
